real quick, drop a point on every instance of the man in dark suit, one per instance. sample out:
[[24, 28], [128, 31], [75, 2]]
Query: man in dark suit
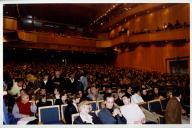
[[73, 85], [111, 115], [71, 108], [46, 83], [58, 81], [174, 108]]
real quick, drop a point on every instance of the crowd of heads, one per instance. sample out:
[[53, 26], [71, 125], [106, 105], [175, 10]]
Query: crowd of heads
[[104, 82]]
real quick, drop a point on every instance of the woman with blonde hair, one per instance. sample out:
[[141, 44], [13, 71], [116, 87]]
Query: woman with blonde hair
[[85, 114]]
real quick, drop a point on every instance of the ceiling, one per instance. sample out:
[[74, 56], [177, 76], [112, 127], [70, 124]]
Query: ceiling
[[91, 17], [73, 14]]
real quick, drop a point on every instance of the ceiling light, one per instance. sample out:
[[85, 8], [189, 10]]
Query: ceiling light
[[29, 16]]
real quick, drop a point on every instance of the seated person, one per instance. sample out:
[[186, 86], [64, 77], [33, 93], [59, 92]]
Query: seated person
[[17, 86], [157, 94], [64, 98], [85, 117], [136, 98], [24, 108], [146, 97], [82, 95], [22, 92], [119, 101], [109, 114], [129, 90], [58, 100], [94, 96], [43, 102], [71, 108], [131, 111], [40, 94]]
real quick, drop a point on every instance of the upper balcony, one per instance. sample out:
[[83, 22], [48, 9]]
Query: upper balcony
[[54, 39]]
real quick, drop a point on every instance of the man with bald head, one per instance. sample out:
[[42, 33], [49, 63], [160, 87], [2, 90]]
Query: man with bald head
[[24, 108]]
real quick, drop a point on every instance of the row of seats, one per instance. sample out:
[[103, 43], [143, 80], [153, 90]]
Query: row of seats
[[156, 106], [55, 114]]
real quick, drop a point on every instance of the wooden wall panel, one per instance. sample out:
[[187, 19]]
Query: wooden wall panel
[[37, 37], [157, 19], [9, 23], [103, 44], [151, 58]]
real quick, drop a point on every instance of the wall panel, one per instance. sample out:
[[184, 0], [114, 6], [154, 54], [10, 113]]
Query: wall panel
[[152, 58]]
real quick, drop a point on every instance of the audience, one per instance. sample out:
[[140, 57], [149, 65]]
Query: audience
[[66, 87]]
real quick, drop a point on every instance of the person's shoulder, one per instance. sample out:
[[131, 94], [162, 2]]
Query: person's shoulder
[[103, 110], [92, 114], [122, 107], [135, 105], [134, 95]]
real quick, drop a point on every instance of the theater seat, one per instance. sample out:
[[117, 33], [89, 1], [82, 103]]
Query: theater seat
[[49, 115], [155, 106], [164, 104], [50, 100], [94, 106], [74, 116], [144, 105], [63, 111], [99, 104]]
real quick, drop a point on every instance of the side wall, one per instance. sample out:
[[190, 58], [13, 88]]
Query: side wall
[[151, 58]]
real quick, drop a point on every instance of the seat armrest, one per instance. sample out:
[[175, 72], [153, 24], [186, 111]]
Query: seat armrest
[[40, 123]]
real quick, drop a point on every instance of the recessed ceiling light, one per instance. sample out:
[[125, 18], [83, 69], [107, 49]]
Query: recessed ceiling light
[[29, 16]]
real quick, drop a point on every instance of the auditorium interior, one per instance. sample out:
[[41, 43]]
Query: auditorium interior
[[102, 63]]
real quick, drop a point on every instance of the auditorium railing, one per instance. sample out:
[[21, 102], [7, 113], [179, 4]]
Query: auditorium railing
[[52, 38]]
